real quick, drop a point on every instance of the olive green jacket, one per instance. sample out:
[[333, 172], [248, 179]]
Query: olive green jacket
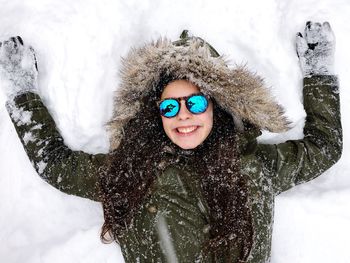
[[172, 224]]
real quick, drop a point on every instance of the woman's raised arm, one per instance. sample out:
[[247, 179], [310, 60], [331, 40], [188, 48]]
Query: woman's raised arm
[[298, 161], [73, 172]]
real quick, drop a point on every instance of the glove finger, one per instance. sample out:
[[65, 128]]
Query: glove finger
[[8, 46], [34, 57], [312, 32], [11, 50], [13, 39], [327, 32], [301, 45], [20, 40], [327, 26], [28, 59], [316, 25], [308, 23]]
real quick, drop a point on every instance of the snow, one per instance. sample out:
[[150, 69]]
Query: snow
[[79, 44], [166, 242]]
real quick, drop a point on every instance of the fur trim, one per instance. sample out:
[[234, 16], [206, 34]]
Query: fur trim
[[238, 91]]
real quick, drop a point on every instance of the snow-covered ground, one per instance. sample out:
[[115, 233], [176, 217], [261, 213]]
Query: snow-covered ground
[[79, 44]]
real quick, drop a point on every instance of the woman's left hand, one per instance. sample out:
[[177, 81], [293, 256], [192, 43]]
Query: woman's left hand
[[315, 49]]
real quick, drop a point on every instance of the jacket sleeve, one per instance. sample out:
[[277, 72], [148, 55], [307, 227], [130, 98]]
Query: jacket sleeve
[[298, 161], [72, 172]]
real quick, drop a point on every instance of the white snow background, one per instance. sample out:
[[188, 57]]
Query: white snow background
[[79, 44]]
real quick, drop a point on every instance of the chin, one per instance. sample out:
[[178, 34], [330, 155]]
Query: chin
[[187, 145]]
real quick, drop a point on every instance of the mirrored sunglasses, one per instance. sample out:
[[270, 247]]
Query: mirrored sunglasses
[[195, 103]]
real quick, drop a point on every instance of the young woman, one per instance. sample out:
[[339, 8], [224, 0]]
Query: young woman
[[185, 180]]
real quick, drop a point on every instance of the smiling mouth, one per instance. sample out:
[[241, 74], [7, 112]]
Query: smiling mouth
[[186, 130]]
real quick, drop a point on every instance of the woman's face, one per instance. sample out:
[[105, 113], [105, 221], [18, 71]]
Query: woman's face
[[186, 130]]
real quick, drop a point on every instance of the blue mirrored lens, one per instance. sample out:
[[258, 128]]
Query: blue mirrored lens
[[197, 104], [169, 108]]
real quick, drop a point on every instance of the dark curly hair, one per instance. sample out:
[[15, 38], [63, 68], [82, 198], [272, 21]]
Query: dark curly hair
[[124, 187]]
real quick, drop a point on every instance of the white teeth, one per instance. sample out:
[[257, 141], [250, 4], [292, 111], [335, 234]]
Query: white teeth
[[187, 129]]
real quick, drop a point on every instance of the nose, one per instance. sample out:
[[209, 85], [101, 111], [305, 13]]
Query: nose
[[184, 114]]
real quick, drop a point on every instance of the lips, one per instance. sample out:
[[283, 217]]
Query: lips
[[186, 130]]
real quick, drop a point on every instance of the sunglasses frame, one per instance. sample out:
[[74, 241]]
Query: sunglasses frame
[[185, 98]]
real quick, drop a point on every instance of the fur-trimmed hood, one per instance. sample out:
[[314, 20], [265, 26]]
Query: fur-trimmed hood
[[237, 90]]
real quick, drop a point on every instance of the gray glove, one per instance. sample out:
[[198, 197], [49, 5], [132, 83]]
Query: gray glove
[[18, 67], [316, 49]]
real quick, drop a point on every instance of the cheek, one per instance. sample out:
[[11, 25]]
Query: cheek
[[166, 124], [208, 125], [208, 118]]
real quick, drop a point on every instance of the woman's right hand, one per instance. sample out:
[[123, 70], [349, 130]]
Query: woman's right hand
[[18, 67]]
